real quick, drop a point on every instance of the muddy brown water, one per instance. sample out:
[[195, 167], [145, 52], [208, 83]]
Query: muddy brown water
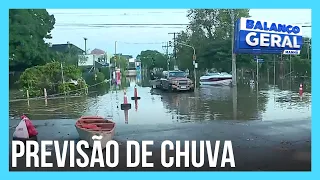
[[207, 103]]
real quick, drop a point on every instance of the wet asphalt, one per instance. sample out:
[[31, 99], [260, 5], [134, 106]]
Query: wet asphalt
[[258, 146]]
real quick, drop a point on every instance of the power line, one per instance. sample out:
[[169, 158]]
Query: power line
[[136, 25], [122, 24], [121, 14], [140, 42], [108, 27]]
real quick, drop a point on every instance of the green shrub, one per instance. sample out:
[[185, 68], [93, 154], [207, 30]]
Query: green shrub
[[49, 76], [106, 72]]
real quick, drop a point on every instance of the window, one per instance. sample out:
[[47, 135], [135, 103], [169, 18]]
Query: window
[[177, 74]]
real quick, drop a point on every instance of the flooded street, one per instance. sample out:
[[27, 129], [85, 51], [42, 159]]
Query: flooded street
[[272, 130], [208, 103], [159, 90]]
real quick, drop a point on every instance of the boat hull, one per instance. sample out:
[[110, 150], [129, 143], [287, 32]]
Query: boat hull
[[224, 82], [106, 131], [87, 136]]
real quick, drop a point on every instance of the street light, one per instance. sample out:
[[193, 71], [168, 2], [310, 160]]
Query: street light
[[194, 57]]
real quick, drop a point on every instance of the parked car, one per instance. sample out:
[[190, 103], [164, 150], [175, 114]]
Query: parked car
[[175, 81]]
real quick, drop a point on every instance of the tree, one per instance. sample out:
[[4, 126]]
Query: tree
[[120, 61], [28, 29], [153, 58], [210, 33]]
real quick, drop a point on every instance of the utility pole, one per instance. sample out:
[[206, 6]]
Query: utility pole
[[281, 66], [167, 53], [115, 54], [234, 68], [274, 70], [290, 71], [308, 48], [174, 47], [85, 45], [64, 87]]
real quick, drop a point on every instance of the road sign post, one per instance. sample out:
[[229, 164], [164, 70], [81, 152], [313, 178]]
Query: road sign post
[[258, 61], [194, 57]]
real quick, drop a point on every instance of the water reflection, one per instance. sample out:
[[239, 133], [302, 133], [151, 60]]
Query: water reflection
[[245, 102], [136, 105], [235, 102], [126, 116]]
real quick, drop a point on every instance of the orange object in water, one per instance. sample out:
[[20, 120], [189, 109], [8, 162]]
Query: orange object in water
[[135, 92], [95, 123], [91, 128]]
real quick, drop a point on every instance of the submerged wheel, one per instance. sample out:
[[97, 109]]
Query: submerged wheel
[[170, 89]]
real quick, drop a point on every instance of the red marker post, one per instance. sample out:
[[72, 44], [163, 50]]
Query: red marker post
[[301, 90], [125, 105], [135, 95], [125, 99]]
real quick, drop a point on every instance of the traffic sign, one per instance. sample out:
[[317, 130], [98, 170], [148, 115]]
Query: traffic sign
[[256, 59], [259, 60]]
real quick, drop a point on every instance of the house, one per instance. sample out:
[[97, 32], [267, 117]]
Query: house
[[97, 52], [100, 57], [66, 48]]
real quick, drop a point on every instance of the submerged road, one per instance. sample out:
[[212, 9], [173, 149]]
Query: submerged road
[[258, 145], [270, 127]]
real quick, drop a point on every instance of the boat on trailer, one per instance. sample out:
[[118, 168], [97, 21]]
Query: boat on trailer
[[89, 126], [216, 78]]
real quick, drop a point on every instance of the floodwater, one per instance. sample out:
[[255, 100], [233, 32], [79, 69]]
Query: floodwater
[[265, 102]]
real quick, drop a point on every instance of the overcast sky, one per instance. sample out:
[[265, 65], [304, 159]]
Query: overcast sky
[[72, 25]]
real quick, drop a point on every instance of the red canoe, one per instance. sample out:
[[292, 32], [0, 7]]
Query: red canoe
[[89, 126]]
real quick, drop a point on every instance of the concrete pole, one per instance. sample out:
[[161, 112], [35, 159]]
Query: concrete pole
[[234, 68], [257, 70], [62, 76], [115, 53], [274, 70], [194, 68], [85, 45]]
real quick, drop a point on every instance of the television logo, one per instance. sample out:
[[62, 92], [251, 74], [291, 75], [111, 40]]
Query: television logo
[[268, 37], [291, 52]]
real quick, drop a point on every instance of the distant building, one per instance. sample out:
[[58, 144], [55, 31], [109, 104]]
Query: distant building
[[97, 57], [66, 48], [98, 52]]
